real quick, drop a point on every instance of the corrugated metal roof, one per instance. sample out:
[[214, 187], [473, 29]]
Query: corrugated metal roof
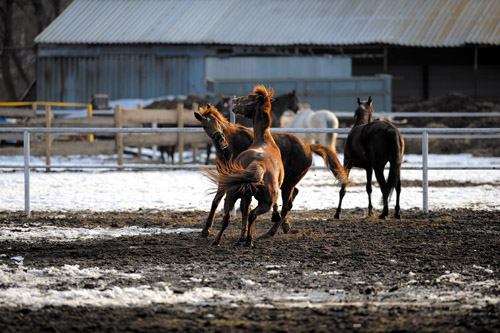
[[429, 23]]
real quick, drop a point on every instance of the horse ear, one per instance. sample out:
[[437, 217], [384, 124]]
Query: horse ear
[[209, 106], [359, 101], [197, 115], [272, 99], [370, 100]]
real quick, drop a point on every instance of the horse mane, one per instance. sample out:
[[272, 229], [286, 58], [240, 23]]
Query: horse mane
[[266, 93], [209, 110]]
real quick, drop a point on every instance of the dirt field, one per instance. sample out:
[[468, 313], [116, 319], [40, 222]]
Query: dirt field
[[439, 273]]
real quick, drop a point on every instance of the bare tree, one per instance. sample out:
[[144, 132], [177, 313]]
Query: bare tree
[[20, 22]]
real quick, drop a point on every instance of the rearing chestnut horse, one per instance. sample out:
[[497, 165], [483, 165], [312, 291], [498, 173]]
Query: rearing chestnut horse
[[231, 139], [371, 145], [258, 171]]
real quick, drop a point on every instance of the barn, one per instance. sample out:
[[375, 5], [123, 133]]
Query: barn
[[152, 48]]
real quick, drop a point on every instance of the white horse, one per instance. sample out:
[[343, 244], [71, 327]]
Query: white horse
[[308, 118]]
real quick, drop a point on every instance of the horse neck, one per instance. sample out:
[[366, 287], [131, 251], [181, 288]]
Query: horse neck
[[367, 118], [261, 124]]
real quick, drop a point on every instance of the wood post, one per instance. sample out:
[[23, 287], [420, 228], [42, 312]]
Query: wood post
[[180, 136], [48, 136], [119, 136], [195, 147], [90, 137]]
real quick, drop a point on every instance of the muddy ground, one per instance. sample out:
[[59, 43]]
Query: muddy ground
[[389, 272]]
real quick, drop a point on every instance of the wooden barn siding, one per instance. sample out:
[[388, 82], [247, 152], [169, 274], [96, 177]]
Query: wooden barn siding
[[75, 79]]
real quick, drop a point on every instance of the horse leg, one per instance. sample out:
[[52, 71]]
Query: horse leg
[[379, 173], [259, 210], [398, 192], [369, 173], [341, 194], [210, 219], [209, 150], [228, 207], [171, 154], [245, 208], [285, 225], [276, 214]]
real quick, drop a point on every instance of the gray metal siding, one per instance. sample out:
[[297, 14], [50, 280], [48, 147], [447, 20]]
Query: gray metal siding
[[427, 23], [336, 94], [278, 67], [75, 79]]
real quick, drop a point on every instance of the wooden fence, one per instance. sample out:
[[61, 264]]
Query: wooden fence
[[45, 144]]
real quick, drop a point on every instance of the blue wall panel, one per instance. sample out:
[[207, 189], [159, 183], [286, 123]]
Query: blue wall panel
[[75, 79]]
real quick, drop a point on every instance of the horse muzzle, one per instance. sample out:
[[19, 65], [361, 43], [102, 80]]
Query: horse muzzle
[[220, 139], [237, 107]]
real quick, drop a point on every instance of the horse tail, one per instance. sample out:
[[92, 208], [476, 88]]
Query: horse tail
[[235, 177], [332, 162], [396, 151]]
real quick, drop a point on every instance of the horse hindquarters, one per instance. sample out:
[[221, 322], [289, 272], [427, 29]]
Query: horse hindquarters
[[394, 177], [395, 145]]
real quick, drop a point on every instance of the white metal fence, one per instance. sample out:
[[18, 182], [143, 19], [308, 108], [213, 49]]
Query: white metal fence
[[423, 133]]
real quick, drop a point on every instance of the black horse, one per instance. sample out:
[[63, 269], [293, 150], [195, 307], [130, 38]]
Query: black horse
[[370, 145]]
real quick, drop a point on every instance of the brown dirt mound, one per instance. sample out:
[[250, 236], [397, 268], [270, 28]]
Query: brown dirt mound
[[172, 103]]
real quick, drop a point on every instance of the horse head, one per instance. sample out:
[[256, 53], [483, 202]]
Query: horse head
[[211, 121], [260, 99], [364, 111], [223, 105]]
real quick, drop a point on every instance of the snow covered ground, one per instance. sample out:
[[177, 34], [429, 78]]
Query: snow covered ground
[[183, 190], [99, 190]]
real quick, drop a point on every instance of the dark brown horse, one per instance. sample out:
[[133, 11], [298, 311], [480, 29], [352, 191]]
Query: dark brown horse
[[371, 145], [258, 171], [283, 102], [231, 139]]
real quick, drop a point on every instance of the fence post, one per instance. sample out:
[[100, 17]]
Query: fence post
[[90, 137], [48, 136], [425, 179], [27, 173], [119, 136], [232, 119], [180, 136]]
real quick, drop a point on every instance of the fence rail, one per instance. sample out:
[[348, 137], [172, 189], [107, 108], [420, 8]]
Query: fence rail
[[423, 133]]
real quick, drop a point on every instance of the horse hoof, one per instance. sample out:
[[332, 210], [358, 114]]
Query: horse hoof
[[383, 216], [336, 216], [216, 243], [397, 216], [276, 217], [205, 233], [286, 227]]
